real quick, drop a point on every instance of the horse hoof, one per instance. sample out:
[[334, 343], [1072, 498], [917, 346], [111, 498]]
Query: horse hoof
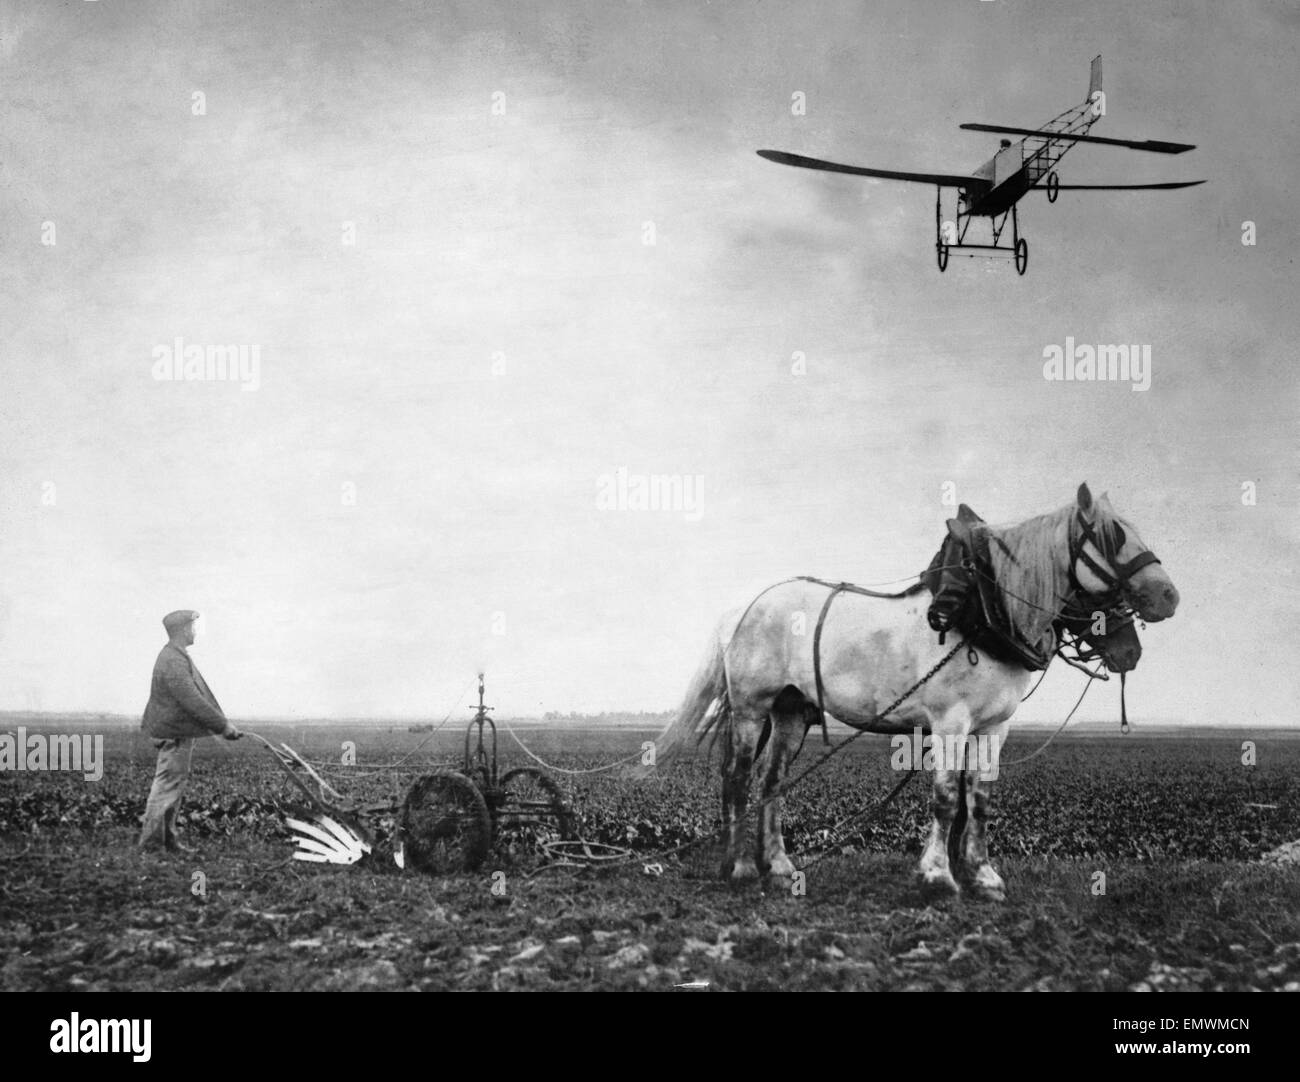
[[987, 885], [782, 869], [939, 885]]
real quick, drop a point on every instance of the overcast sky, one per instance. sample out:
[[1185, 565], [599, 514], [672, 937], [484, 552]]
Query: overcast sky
[[413, 488]]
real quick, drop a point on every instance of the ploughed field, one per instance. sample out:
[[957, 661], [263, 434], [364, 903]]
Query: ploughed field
[[1130, 862]]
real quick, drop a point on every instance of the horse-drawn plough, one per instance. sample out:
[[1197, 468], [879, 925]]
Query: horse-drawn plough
[[448, 820], [1014, 597]]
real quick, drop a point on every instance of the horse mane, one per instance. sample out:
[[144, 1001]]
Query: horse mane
[[1035, 577]]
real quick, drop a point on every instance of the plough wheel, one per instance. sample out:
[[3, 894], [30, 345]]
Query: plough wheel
[[531, 799], [445, 826]]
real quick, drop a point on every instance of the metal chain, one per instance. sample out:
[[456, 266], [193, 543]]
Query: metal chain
[[785, 788], [561, 770], [834, 835], [833, 838]]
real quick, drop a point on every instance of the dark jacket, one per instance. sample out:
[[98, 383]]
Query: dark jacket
[[180, 703]]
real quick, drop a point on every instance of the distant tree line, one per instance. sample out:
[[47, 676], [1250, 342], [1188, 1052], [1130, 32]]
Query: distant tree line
[[610, 715]]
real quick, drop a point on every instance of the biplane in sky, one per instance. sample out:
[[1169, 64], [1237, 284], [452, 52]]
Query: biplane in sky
[[994, 189]]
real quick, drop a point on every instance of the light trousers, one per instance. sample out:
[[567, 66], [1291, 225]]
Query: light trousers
[[173, 771]]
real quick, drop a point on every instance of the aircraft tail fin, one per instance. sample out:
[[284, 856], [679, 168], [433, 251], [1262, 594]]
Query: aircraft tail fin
[[1094, 78]]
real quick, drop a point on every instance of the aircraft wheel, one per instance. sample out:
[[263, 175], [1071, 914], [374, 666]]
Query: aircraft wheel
[[942, 250], [1053, 187], [1022, 255]]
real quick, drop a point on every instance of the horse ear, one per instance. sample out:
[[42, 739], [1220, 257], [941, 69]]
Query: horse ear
[[1103, 507], [1084, 497]]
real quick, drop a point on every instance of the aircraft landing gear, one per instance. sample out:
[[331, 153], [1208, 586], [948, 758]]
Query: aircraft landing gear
[[940, 248], [1019, 246], [951, 237], [1053, 187]]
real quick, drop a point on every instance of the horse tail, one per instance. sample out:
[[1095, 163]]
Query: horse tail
[[703, 707]]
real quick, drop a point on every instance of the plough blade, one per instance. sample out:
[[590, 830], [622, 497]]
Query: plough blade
[[327, 842], [323, 852], [315, 858]]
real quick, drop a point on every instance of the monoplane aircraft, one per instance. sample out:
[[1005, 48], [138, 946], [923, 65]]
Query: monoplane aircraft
[[993, 190]]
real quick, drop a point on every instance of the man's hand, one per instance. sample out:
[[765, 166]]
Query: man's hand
[[230, 732]]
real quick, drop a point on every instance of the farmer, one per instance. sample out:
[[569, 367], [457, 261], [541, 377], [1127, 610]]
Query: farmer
[[181, 707]]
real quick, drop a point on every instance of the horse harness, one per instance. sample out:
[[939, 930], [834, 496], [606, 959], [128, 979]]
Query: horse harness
[[967, 597]]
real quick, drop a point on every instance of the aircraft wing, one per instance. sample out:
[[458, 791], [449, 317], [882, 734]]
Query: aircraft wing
[[944, 180], [1121, 187], [1154, 145]]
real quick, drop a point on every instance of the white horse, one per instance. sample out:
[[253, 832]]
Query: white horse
[[760, 682]]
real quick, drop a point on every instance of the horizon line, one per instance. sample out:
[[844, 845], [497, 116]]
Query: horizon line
[[631, 715]]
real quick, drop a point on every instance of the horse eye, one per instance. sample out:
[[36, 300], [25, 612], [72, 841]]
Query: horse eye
[[1120, 538]]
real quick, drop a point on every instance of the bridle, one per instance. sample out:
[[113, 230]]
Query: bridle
[[1081, 605], [1115, 575], [1072, 634]]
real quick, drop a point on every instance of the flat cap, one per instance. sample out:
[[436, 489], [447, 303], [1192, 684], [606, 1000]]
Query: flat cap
[[179, 618]]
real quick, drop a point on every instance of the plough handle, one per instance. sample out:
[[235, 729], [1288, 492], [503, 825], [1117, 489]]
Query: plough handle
[[284, 761]]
